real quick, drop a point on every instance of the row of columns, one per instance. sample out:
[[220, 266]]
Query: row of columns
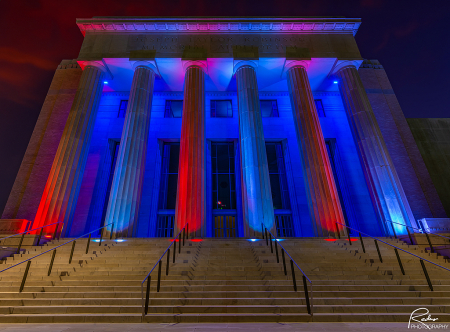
[[62, 188]]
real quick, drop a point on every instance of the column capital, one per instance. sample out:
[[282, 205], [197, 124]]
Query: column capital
[[203, 64], [342, 64], [99, 64], [237, 64], [150, 64], [288, 64]]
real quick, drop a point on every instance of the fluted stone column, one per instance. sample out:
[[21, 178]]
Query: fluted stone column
[[386, 191], [126, 188], [63, 184], [323, 197], [257, 203], [191, 204]]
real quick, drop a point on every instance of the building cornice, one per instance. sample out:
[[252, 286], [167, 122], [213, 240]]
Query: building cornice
[[220, 24]]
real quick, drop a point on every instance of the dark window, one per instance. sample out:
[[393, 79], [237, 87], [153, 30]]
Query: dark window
[[174, 109], [277, 174], [223, 176], [319, 107], [269, 108], [169, 176], [109, 167], [221, 109], [122, 108]]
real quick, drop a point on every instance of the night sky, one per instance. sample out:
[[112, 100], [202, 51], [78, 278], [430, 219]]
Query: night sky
[[409, 38]]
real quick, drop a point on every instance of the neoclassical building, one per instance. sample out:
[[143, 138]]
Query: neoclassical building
[[227, 124]]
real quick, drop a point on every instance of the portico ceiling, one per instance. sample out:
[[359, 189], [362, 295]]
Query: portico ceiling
[[220, 74]]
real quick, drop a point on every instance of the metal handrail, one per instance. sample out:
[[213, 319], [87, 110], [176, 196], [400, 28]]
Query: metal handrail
[[305, 277], [31, 230], [54, 254], [409, 234], [376, 240], [185, 231]]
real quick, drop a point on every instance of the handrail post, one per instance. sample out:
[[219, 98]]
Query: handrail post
[[20, 243], [158, 285], [426, 274], [168, 261], [60, 231], [429, 242], [305, 286], [348, 235], [378, 249], [187, 231], [112, 231], [101, 237], [55, 232], [71, 252], [88, 243], [293, 276], [362, 243], [409, 235], [147, 295], [270, 240], [24, 276], [276, 250], [174, 249], [393, 229], [284, 261], [267, 238], [51, 263], [262, 231], [40, 235], [179, 243], [184, 235], [337, 231], [399, 261]]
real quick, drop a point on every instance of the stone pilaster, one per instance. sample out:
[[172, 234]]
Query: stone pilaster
[[25, 196], [126, 188], [257, 203], [63, 184], [386, 191], [191, 204], [323, 197]]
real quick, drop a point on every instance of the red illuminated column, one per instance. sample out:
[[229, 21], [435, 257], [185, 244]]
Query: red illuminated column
[[191, 205], [63, 184], [126, 188], [384, 185], [323, 199], [257, 203]]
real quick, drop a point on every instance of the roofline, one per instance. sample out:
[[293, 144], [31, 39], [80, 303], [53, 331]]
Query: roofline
[[203, 24]]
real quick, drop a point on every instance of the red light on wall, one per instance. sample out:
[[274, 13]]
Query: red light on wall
[[196, 240], [352, 240], [48, 236], [330, 240]]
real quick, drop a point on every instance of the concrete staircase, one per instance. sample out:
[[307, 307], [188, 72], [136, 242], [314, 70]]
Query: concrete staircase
[[222, 280]]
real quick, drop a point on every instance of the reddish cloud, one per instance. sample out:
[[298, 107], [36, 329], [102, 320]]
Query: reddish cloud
[[13, 55]]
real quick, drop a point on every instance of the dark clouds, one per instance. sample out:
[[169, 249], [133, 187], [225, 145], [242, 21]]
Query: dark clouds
[[410, 39]]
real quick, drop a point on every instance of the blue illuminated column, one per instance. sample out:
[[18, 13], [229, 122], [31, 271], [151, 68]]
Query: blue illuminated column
[[386, 191], [256, 194], [125, 196]]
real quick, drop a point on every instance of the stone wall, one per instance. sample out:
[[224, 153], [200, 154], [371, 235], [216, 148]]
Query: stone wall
[[433, 140]]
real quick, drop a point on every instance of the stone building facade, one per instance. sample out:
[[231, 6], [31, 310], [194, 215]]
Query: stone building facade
[[228, 124]]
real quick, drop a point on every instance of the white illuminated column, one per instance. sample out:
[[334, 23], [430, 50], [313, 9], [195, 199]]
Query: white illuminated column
[[126, 188], [256, 194]]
